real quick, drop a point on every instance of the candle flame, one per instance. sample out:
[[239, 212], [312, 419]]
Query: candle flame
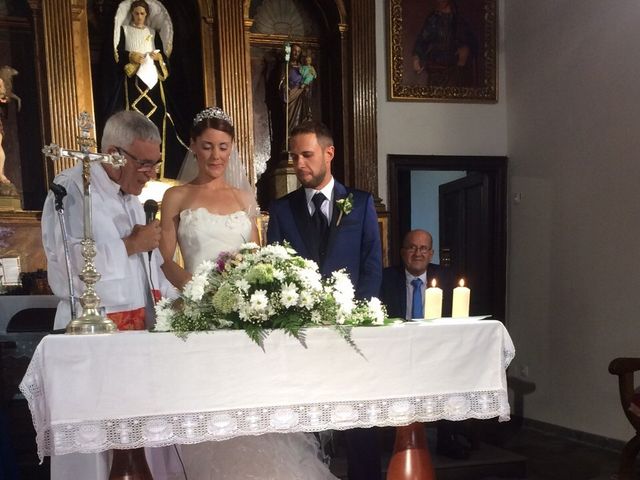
[[433, 283], [461, 282]]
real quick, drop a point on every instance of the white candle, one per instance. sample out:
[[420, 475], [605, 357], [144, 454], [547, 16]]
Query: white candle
[[461, 296], [433, 301]]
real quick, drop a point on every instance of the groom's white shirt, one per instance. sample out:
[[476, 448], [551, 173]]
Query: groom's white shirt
[[327, 191]]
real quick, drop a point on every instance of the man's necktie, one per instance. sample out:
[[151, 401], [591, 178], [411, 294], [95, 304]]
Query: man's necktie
[[416, 303], [321, 226], [318, 218]]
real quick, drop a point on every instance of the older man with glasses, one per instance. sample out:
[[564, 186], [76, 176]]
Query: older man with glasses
[[402, 292], [130, 279], [403, 286]]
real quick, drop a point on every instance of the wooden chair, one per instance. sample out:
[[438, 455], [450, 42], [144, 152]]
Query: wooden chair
[[624, 368]]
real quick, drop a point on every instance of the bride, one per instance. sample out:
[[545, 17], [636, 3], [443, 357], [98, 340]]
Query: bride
[[205, 217]]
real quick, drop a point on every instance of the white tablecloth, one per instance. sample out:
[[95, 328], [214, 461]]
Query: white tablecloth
[[97, 392]]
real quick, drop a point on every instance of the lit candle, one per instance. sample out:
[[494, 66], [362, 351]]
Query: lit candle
[[461, 296], [433, 301]]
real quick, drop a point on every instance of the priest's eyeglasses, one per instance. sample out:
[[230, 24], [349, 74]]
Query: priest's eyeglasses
[[415, 249], [144, 166]]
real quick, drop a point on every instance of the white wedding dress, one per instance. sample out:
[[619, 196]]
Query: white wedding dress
[[203, 235]]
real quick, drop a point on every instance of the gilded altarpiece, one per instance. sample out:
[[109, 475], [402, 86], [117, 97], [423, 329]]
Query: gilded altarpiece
[[215, 60], [222, 56]]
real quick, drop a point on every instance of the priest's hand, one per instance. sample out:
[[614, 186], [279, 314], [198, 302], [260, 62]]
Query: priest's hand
[[143, 238]]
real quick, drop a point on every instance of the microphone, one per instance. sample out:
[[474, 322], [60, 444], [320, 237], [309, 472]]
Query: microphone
[[59, 192], [150, 212]]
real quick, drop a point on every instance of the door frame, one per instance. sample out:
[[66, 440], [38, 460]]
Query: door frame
[[398, 166]]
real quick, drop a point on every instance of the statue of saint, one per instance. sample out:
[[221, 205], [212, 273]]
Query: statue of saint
[[143, 41], [6, 95], [301, 75]]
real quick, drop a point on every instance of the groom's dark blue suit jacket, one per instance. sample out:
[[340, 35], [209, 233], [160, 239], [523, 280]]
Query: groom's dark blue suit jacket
[[353, 245]]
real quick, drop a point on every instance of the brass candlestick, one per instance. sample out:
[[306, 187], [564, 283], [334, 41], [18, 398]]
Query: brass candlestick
[[91, 321]]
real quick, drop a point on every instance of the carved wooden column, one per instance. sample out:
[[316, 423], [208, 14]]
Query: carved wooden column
[[82, 57], [61, 76], [63, 69], [235, 79], [347, 106], [207, 35], [363, 167]]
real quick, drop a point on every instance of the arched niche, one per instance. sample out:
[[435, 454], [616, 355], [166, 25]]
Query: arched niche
[[317, 28], [184, 89]]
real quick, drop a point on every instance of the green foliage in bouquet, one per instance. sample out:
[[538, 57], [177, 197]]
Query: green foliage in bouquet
[[259, 289]]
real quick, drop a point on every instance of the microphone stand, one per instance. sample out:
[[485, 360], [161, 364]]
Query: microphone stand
[[91, 321], [60, 192], [150, 208]]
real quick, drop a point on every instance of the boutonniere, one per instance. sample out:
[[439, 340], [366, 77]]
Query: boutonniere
[[345, 205]]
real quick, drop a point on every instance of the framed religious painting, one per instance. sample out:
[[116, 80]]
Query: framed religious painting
[[442, 50]]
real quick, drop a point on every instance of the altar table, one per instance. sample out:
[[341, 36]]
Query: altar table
[[90, 393]]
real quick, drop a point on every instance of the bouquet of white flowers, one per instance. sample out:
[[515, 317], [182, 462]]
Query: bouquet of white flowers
[[257, 289]]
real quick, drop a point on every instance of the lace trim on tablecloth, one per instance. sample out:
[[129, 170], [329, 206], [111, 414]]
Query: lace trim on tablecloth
[[162, 430]]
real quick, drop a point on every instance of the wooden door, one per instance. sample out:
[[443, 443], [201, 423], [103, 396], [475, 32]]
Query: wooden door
[[466, 231]]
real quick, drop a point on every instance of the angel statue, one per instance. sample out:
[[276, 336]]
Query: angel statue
[[6, 95], [142, 42]]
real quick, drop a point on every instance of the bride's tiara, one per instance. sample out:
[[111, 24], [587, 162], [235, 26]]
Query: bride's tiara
[[212, 112]]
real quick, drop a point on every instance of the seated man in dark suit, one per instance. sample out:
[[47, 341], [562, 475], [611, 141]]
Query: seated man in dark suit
[[402, 301], [397, 291]]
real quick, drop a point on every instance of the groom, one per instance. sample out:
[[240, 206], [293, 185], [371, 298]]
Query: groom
[[338, 228]]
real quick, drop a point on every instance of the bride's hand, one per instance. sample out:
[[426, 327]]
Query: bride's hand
[[143, 238]]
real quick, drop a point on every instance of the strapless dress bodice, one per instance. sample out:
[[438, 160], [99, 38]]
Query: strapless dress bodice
[[203, 235]]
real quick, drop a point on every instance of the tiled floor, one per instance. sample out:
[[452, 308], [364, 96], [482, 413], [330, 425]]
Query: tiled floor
[[545, 456], [552, 458]]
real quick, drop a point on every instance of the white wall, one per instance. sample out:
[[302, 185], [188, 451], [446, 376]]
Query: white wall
[[569, 121], [424, 128], [574, 135]]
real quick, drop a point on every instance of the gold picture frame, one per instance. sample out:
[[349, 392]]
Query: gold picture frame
[[442, 50]]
